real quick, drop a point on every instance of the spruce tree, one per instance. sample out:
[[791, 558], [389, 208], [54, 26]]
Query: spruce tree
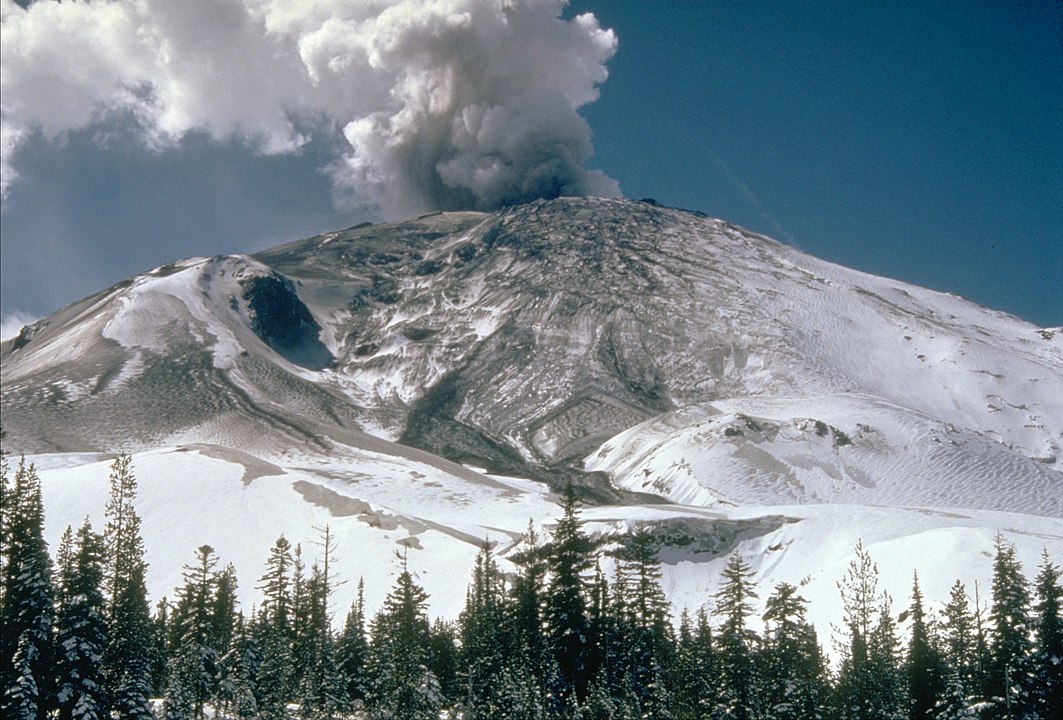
[[694, 670], [193, 672], [81, 630], [352, 648], [1011, 646], [887, 699], [958, 641], [565, 618], [794, 672], [869, 686], [483, 635], [402, 686], [1048, 658], [128, 659], [923, 665], [735, 643], [26, 652], [273, 632], [240, 671]]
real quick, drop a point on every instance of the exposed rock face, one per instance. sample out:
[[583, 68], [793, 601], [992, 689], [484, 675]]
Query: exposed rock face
[[523, 340]]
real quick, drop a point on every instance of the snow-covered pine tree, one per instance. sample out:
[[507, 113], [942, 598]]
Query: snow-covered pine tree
[[1011, 633], [483, 635], [193, 672], [240, 669], [646, 638], [1048, 628], [26, 651], [81, 630], [566, 622], [735, 643], [693, 671], [352, 648], [795, 686], [888, 700], [868, 684], [923, 665], [954, 703], [127, 660], [958, 641], [402, 686], [273, 632], [524, 619]]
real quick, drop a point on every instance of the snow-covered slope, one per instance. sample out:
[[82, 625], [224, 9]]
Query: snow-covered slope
[[375, 505], [647, 355]]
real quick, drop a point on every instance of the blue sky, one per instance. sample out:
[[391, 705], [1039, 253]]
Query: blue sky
[[922, 141]]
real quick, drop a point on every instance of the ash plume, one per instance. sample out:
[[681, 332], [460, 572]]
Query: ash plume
[[436, 104]]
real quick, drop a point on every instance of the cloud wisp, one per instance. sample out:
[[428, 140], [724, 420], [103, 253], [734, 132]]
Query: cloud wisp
[[434, 104]]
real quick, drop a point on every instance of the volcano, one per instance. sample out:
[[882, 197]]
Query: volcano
[[435, 382]]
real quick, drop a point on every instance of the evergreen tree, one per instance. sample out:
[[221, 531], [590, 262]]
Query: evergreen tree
[[795, 686], [483, 635], [353, 648], [223, 610], [524, 618], [1011, 646], [923, 665], [128, 658], [694, 669], [953, 703], [193, 673], [273, 632], [276, 588], [644, 637], [887, 697], [402, 686], [868, 685], [81, 631], [1048, 658], [240, 670], [566, 614], [735, 643], [958, 638], [26, 659]]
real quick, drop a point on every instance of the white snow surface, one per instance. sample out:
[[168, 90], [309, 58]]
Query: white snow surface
[[377, 505], [805, 406]]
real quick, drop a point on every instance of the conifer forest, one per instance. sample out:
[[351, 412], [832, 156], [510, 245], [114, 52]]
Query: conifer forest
[[574, 631]]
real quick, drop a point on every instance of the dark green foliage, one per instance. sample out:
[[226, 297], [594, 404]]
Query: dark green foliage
[[352, 649], [128, 657], [505, 658], [795, 685], [81, 629], [923, 666], [26, 653], [1047, 690], [1011, 636], [735, 643], [567, 626], [869, 685], [194, 668], [694, 670], [402, 687]]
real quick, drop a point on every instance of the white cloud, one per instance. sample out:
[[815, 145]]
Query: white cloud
[[442, 103], [11, 324]]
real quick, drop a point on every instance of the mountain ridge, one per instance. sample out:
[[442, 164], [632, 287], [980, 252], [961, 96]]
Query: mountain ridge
[[522, 340], [431, 384]]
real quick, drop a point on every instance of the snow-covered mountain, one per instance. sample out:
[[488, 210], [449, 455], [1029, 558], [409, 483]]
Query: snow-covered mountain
[[430, 382]]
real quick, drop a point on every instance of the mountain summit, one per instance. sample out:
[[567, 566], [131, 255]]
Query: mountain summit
[[524, 341], [646, 355]]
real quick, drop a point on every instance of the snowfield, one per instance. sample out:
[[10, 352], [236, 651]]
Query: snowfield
[[376, 506], [431, 384]]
